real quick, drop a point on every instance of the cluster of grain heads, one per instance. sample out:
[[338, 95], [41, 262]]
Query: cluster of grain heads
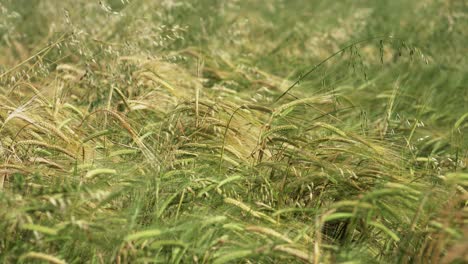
[[127, 137]]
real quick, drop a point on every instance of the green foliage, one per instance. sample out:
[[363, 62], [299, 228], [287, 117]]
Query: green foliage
[[233, 131]]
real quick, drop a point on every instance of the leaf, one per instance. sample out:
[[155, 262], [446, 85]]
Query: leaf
[[337, 216], [385, 230], [460, 121]]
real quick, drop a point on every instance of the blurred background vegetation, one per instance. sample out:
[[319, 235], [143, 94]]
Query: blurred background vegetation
[[156, 131]]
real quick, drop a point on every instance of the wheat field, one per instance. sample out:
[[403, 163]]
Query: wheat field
[[216, 131]]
